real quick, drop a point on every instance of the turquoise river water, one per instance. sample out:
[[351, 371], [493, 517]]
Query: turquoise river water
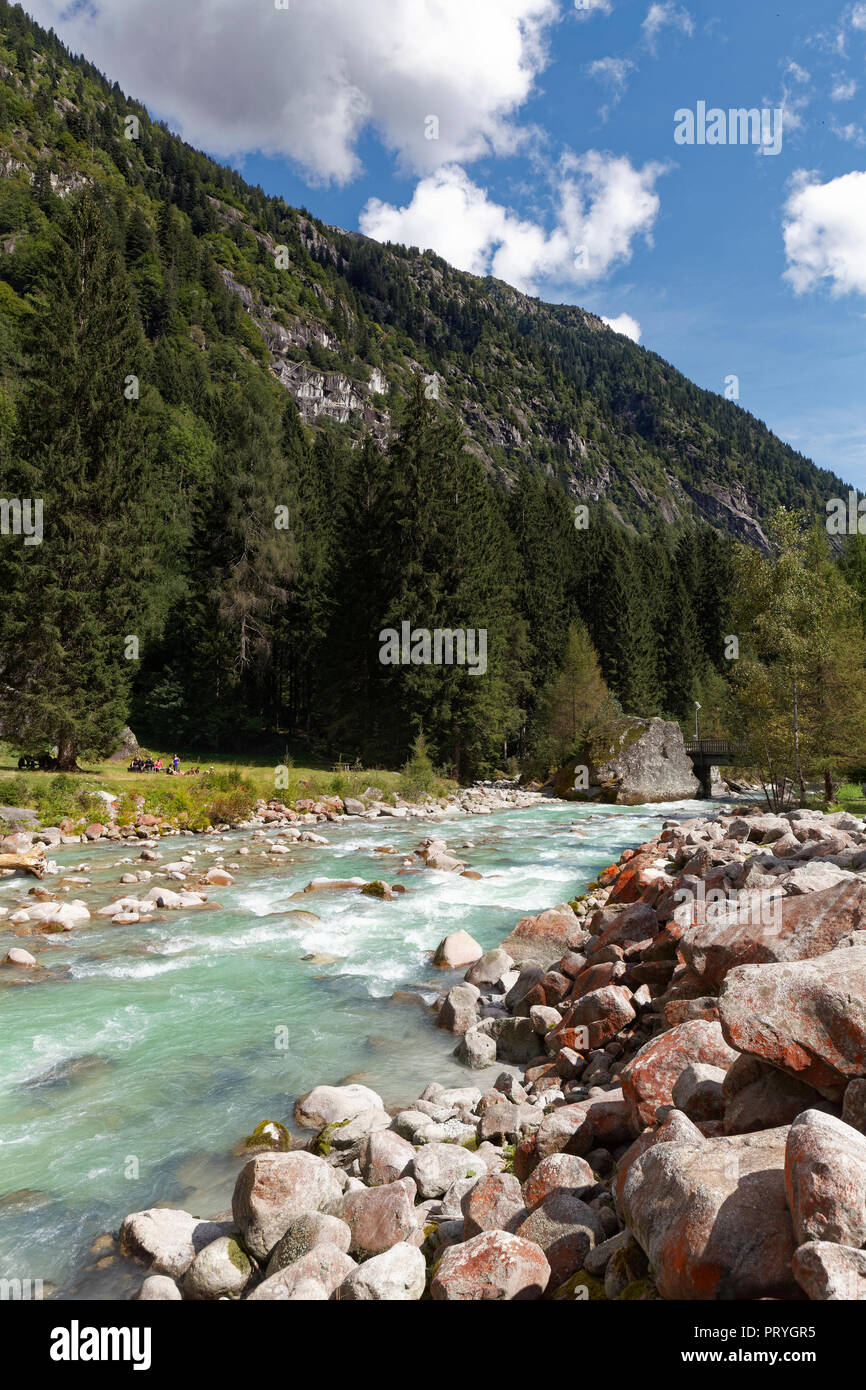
[[132, 1070]]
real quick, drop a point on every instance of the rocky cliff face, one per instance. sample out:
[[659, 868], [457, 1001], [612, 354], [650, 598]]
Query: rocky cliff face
[[643, 760]]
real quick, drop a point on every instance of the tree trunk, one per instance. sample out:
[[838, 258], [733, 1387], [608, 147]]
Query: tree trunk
[[67, 753], [797, 763], [828, 785]]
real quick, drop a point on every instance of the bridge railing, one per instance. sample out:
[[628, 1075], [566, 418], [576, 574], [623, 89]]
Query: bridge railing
[[716, 748]]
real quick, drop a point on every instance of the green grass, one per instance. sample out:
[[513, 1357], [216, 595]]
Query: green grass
[[226, 794]]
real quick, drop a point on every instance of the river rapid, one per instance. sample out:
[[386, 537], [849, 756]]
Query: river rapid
[[132, 1071]]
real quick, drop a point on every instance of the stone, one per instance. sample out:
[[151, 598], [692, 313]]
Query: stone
[[828, 1272], [348, 1113], [221, 1270], [437, 1166], [698, 1091], [599, 1015], [303, 1234], [18, 956], [543, 938], [647, 762], [544, 1018], [456, 950], [565, 1129], [558, 1172], [712, 1216], [565, 1228], [854, 1104], [220, 877], [272, 1189], [384, 1157], [627, 1263], [166, 1240], [459, 1011], [491, 1203], [487, 972], [159, 1288], [516, 1040], [825, 1177], [476, 1049], [799, 929], [806, 1017], [397, 1275], [379, 1217], [649, 1078], [494, 1265], [759, 1096], [325, 1265]]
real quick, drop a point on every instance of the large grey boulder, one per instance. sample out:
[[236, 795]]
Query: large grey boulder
[[165, 1240], [273, 1189], [396, 1276], [642, 760]]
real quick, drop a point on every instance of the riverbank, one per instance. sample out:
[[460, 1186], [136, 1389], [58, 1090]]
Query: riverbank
[[686, 1122], [157, 1039]]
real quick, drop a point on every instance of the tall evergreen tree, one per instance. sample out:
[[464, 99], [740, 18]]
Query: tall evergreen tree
[[82, 452]]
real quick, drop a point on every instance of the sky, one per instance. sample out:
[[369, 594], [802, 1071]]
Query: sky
[[585, 151]]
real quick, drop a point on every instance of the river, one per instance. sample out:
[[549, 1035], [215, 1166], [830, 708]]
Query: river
[[130, 1075]]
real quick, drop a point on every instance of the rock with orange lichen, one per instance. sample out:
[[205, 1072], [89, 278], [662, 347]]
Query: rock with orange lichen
[[807, 1017], [713, 1217], [494, 1265], [649, 1078]]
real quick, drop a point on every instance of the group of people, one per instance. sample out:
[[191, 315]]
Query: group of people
[[171, 769]]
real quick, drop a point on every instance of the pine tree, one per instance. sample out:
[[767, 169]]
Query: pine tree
[[82, 450]]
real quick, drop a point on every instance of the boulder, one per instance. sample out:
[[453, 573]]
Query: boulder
[[830, 1273], [825, 1176], [167, 1241], [649, 1078], [437, 1166], [773, 931], [494, 1265], [558, 1172], [758, 1096], [807, 1017], [456, 950], [477, 1049], [491, 1203], [459, 1011], [565, 1228], [599, 1016], [127, 746], [221, 1270], [305, 1233], [713, 1218], [274, 1188], [397, 1275], [487, 972], [543, 938], [379, 1217], [384, 1157], [348, 1113], [637, 761], [698, 1091], [325, 1265], [159, 1288]]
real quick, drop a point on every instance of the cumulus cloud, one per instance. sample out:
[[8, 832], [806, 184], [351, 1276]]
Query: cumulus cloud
[[305, 82], [624, 323], [666, 16], [825, 233], [602, 204]]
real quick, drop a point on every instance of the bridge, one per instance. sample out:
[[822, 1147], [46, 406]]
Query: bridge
[[706, 753]]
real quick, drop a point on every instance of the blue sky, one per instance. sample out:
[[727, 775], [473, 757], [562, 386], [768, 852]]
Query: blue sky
[[555, 165]]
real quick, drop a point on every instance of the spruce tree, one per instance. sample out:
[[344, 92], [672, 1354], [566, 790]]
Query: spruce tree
[[78, 597]]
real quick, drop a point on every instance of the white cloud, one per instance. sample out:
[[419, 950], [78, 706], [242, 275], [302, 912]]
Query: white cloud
[[843, 89], [305, 82], [585, 9], [624, 323], [666, 16], [602, 204], [825, 233], [614, 74], [798, 73], [858, 17]]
